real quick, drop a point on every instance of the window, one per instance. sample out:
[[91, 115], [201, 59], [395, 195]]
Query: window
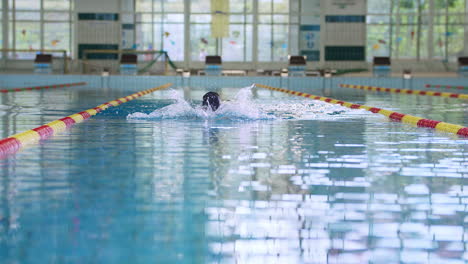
[[56, 35], [1, 25], [160, 26], [236, 47], [39, 24], [378, 6], [57, 26], [405, 37], [410, 29], [201, 41], [455, 35], [439, 40], [274, 29], [378, 43]]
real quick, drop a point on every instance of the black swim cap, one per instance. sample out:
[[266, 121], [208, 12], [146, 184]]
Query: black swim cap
[[211, 99]]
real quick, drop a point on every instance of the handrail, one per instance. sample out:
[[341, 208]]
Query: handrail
[[65, 63], [41, 87], [162, 52]]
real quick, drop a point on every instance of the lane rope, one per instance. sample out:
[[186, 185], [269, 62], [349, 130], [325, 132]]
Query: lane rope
[[405, 91], [447, 86], [14, 143], [404, 118], [42, 87]]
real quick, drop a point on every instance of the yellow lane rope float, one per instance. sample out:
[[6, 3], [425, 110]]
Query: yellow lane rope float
[[13, 143], [41, 87], [409, 119], [405, 91]]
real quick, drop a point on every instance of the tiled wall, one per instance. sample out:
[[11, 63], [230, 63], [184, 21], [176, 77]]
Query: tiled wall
[[98, 31], [345, 30]]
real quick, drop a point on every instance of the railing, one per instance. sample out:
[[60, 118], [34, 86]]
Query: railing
[[167, 60], [64, 52]]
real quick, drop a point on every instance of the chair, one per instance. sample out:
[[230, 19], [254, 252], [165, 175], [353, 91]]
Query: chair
[[381, 67], [128, 64], [43, 64], [463, 66], [213, 65], [297, 66]]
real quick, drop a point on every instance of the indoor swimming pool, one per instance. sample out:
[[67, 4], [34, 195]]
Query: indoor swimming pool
[[268, 178]]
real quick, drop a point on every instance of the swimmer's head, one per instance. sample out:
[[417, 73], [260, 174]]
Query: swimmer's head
[[211, 99]]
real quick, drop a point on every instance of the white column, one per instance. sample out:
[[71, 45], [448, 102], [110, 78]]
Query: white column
[[187, 47], [74, 13], [397, 31], [71, 30], [322, 32], [255, 35], [13, 28], [390, 53], [418, 31], [430, 37], [465, 49], [294, 24], [5, 35], [364, 41], [41, 30]]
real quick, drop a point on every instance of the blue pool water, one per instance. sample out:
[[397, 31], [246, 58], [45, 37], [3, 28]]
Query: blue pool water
[[270, 178]]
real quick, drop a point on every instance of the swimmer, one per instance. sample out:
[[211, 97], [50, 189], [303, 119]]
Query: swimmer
[[211, 99]]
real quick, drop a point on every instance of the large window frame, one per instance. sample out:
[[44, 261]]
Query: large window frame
[[156, 16], [240, 33], [243, 23], [278, 21], [419, 29], [2, 25], [46, 22], [243, 46]]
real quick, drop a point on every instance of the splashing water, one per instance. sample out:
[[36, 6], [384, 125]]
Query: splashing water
[[244, 107], [306, 109], [241, 108]]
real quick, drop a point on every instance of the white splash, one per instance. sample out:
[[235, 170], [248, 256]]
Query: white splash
[[306, 109], [179, 108], [244, 107]]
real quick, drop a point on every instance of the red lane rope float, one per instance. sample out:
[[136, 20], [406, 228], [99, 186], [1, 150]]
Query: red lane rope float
[[447, 86], [405, 91], [408, 119], [41, 87], [13, 143]]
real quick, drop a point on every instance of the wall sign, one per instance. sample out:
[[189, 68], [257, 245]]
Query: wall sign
[[310, 42]]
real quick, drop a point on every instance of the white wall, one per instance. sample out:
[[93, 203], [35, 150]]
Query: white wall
[[465, 47], [345, 7], [97, 6], [348, 34]]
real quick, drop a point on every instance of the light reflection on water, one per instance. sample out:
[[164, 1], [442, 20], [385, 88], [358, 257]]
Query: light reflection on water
[[349, 189]]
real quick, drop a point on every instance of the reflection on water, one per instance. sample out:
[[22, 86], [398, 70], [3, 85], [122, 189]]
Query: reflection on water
[[352, 189]]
